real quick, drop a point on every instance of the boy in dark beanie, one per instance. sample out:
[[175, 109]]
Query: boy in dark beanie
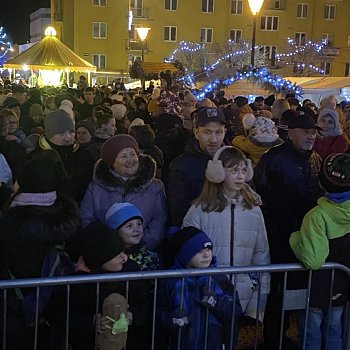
[[324, 236], [185, 303]]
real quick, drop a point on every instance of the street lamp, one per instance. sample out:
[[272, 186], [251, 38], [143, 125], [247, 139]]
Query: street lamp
[[142, 33], [255, 6]]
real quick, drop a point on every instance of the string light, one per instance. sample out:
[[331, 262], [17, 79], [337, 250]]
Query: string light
[[308, 49], [5, 46], [261, 75]]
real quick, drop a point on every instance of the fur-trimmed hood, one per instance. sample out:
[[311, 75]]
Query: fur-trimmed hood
[[106, 179], [52, 225]]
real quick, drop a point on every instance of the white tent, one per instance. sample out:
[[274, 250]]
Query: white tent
[[315, 88]]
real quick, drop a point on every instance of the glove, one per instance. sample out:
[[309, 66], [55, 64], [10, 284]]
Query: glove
[[179, 318], [209, 299]]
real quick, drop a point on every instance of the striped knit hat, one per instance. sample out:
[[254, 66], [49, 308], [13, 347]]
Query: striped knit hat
[[121, 213]]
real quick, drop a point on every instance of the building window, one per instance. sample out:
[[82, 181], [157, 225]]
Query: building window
[[99, 2], [269, 23], [136, 6], [348, 42], [99, 30], [99, 60], [300, 39], [347, 69], [206, 35], [235, 35], [170, 33], [329, 12], [270, 53], [207, 5], [302, 10], [326, 67], [277, 5], [328, 39], [170, 5], [237, 7]]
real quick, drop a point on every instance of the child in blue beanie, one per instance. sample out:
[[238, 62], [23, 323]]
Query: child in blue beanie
[[189, 303]]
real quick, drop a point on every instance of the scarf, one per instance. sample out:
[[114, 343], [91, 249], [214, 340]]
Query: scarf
[[39, 199], [338, 197]]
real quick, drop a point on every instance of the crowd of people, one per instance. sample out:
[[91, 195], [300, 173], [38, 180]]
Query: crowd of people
[[103, 179]]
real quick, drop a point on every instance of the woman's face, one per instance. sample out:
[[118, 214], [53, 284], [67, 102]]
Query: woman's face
[[83, 135], [127, 162], [12, 124], [115, 264], [235, 177], [131, 233], [326, 123]]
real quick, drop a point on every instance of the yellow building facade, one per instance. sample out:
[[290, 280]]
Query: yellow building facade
[[103, 32]]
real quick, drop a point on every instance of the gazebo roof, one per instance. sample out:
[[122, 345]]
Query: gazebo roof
[[48, 54]]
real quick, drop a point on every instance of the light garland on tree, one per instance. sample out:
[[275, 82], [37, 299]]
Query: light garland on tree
[[5, 46], [262, 75], [301, 50]]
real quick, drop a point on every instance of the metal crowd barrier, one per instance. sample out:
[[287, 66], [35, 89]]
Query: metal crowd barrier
[[156, 276]]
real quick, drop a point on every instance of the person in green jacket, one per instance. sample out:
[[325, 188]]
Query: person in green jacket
[[325, 236]]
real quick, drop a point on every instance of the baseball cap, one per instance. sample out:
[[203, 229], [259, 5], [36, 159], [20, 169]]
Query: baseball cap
[[303, 121], [207, 115]]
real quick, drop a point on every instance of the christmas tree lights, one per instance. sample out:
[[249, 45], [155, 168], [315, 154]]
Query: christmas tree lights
[[5, 46]]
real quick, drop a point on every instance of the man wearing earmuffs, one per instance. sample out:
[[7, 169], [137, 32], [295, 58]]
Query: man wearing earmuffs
[[187, 172]]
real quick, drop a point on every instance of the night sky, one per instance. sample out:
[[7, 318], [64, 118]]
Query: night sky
[[14, 17]]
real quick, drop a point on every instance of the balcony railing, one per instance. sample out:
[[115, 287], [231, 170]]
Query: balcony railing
[[135, 45], [330, 51], [140, 12]]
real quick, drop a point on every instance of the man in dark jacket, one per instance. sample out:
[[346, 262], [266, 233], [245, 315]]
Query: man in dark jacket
[[286, 179], [187, 172]]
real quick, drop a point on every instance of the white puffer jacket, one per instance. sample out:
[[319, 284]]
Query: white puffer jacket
[[250, 247]]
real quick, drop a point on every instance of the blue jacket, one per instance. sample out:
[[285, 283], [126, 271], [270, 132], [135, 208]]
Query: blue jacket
[[219, 319]]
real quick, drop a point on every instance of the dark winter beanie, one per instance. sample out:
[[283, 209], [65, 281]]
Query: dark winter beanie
[[43, 173], [10, 102], [143, 134], [103, 110], [241, 101], [87, 126], [334, 175], [99, 246], [58, 122], [111, 148], [188, 242], [121, 213]]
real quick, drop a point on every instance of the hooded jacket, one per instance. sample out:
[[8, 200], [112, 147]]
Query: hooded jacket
[[219, 319], [325, 236], [143, 191]]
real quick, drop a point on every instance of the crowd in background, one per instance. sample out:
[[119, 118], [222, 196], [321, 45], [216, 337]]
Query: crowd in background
[[131, 180]]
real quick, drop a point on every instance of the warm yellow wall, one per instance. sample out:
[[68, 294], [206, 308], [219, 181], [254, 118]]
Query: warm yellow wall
[[189, 19]]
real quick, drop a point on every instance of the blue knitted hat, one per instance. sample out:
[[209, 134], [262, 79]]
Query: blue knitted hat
[[188, 242], [120, 213]]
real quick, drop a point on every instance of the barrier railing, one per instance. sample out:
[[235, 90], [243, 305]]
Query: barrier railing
[[7, 286]]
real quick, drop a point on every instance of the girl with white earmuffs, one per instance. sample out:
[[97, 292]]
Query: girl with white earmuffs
[[228, 211]]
